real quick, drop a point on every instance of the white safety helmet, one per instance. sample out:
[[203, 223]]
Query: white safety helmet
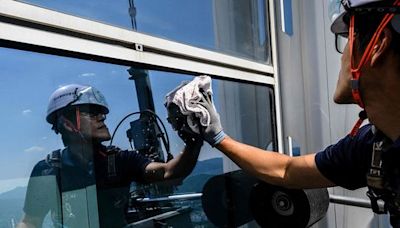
[[72, 95], [337, 12]]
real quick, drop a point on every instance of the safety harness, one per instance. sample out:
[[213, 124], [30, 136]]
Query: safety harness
[[54, 160], [383, 195]]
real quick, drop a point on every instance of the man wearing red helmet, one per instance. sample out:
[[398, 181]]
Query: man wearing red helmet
[[370, 77]]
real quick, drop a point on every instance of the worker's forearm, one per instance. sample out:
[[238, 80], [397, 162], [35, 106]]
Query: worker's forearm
[[275, 168], [30, 222], [24, 225], [265, 165], [183, 163]]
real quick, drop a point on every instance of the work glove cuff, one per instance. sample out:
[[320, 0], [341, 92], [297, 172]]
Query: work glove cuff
[[216, 139]]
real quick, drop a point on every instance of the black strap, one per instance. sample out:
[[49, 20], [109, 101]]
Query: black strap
[[54, 158], [375, 177], [111, 169], [111, 154]]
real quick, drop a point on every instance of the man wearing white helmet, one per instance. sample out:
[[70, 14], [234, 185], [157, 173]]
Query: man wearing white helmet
[[370, 77], [86, 167]]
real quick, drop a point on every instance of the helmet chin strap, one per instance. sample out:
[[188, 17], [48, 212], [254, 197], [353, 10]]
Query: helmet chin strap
[[356, 70], [78, 124], [78, 119]]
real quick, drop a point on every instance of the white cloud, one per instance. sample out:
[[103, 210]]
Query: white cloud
[[88, 74], [34, 149], [26, 112]]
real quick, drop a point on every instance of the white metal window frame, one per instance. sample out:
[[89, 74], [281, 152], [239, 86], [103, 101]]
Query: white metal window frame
[[275, 61], [39, 27]]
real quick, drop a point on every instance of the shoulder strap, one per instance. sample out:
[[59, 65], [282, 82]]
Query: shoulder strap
[[54, 158], [111, 152], [375, 176], [111, 169]]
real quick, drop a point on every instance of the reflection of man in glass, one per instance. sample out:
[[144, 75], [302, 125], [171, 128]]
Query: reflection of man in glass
[[85, 177]]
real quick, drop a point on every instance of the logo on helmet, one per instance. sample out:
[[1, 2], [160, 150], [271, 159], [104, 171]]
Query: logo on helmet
[[346, 3]]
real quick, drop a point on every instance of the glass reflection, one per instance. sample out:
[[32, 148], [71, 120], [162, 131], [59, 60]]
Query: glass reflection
[[234, 27], [245, 109]]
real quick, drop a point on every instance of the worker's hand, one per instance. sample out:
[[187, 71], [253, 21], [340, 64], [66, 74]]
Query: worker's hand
[[213, 133], [178, 122]]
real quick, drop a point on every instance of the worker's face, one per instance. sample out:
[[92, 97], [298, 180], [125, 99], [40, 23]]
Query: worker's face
[[343, 93], [92, 124]]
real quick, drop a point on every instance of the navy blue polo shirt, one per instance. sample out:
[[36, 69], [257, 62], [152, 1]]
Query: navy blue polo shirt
[[347, 162], [43, 193]]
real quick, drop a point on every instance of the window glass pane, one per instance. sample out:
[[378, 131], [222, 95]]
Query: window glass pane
[[234, 27], [31, 175]]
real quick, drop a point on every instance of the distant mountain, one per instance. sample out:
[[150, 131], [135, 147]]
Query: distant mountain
[[11, 204], [211, 166], [194, 183], [203, 171], [16, 193]]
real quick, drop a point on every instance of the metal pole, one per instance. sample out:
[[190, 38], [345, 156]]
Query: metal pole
[[350, 201], [192, 196]]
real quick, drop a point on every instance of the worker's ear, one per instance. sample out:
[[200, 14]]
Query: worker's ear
[[67, 124], [381, 47]]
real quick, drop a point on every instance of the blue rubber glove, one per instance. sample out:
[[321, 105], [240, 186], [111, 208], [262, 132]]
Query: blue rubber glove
[[213, 133]]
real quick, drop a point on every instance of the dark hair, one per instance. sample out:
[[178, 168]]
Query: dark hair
[[367, 23]]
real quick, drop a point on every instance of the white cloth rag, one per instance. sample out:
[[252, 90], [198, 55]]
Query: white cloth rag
[[186, 97]]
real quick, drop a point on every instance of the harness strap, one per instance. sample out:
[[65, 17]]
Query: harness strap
[[111, 154], [111, 165], [54, 158], [377, 192]]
